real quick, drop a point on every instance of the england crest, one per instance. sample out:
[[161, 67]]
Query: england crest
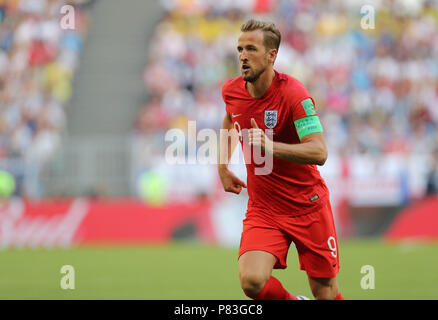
[[271, 117]]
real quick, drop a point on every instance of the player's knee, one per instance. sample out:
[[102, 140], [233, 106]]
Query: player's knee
[[324, 293], [324, 288], [252, 283]]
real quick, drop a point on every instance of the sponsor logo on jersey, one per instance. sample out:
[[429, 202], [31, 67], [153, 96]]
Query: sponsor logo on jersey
[[271, 117]]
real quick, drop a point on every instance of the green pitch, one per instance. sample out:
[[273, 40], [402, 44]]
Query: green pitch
[[192, 271]]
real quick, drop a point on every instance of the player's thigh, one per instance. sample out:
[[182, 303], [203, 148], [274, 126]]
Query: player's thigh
[[261, 234], [256, 265], [324, 288], [315, 238]]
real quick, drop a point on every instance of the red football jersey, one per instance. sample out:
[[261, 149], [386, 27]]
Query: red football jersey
[[290, 188]]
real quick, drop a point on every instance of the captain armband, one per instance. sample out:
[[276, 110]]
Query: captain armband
[[308, 125]]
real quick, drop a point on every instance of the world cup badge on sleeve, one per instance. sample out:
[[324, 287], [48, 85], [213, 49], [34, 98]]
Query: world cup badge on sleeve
[[271, 117]]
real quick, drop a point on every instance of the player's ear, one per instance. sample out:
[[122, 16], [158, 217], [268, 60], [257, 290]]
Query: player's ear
[[272, 55]]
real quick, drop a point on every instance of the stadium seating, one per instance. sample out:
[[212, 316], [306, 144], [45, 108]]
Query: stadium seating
[[38, 60], [375, 89]]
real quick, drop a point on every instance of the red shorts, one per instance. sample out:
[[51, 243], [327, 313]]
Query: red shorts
[[313, 234]]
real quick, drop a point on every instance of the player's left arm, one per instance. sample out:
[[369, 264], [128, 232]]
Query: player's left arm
[[311, 149]]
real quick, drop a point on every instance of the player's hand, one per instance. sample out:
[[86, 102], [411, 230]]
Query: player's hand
[[230, 182], [257, 136]]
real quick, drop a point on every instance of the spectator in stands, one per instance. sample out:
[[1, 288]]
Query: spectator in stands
[[37, 63], [375, 89], [432, 177]]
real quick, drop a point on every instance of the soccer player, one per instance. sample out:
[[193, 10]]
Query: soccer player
[[290, 203]]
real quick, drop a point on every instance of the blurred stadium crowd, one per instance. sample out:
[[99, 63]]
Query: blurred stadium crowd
[[376, 90], [38, 59]]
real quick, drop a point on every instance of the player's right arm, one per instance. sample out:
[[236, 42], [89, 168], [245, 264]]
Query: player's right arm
[[228, 140]]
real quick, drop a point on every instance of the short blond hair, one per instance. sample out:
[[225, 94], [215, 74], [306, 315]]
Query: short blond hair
[[272, 36]]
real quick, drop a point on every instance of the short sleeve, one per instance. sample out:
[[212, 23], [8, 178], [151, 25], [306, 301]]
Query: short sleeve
[[224, 88], [304, 115], [303, 104]]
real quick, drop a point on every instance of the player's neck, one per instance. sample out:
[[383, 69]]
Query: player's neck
[[258, 88]]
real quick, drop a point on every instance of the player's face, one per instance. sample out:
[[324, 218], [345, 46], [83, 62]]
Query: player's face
[[254, 58]]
